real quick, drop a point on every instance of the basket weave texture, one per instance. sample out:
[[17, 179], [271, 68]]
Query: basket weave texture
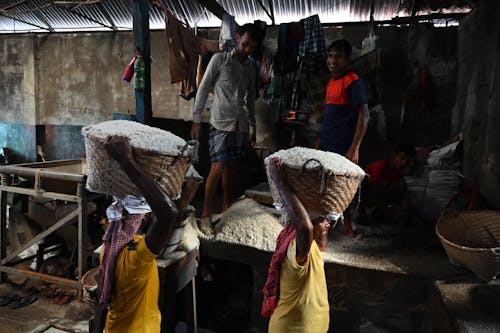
[[106, 176], [320, 189], [89, 283], [472, 239]]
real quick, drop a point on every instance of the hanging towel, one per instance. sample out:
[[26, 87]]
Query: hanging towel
[[183, 47], [227, 37]]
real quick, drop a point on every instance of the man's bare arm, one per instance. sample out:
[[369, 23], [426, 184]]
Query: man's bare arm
[[294, 209], [161, 204], [361, 126]]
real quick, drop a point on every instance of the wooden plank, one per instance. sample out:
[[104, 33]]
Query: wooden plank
[[42, 277], [45, 195], [3, 228], [143, 110], [42, 235]]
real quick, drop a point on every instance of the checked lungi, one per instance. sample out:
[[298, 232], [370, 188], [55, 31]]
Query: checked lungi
[[227, 145]]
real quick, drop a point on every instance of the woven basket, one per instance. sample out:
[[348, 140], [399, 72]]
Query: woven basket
[[106, 176], [472, 239], [189, 188], [90, 286], [322, 190]]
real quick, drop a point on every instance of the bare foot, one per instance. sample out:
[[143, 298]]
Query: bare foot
[[206, 226]]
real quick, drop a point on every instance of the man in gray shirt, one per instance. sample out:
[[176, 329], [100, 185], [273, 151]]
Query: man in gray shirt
[[231, 77]]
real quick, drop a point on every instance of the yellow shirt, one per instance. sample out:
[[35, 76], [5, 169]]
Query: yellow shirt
[[134, 302], [303, 304]]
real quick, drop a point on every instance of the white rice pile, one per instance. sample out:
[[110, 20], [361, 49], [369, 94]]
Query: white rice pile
[[140, 135], [190, 240], [248, 223], [297, 156]]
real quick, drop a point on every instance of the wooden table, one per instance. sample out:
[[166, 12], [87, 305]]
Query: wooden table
[[55, 180]]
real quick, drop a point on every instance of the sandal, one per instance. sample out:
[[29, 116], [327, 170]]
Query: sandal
[[22, 301], [7, 299]]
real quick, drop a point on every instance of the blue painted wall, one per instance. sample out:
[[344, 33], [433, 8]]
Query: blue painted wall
[[62, 142], [21, 140]]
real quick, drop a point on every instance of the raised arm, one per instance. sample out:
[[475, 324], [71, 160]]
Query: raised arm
[[163, 207], [294, 209]]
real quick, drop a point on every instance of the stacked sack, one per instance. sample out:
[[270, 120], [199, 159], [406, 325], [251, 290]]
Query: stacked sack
[[324, 182], [165, 156]]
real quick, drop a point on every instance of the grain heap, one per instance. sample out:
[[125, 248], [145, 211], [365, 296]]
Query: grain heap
[[323, 181], [162, 154], [248, 223]]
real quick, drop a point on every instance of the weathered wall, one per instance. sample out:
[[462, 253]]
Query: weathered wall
[[17, 74], [477, 109], [80, 77]]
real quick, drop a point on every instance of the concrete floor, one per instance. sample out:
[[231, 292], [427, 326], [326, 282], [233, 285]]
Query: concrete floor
[[41, 316]]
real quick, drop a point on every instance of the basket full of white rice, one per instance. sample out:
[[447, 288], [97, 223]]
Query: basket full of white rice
[[165, 156], [324, 182]]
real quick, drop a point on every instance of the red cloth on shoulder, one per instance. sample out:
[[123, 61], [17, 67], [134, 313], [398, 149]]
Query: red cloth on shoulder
[[272, 286]]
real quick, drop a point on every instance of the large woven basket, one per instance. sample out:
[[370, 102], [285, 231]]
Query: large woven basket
[[106, 176], [472, 239], [322, 190]]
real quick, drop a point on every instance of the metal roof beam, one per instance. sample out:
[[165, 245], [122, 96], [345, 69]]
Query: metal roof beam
[[214, 7], [265, 9], [23, 21], [107, 15], [271, 10], [42, 18], [14, 5], [72, 11]]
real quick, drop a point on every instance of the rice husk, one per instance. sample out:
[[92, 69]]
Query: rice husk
[[249, 223]]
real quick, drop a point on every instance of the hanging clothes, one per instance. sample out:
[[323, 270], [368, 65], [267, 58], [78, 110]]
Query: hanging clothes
[[312, 50], [227, 36], [314, 39], [184, 47], [289, 37]]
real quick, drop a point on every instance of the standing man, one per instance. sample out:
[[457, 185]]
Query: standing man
[[231, 77], [346, 113], [130, 282]]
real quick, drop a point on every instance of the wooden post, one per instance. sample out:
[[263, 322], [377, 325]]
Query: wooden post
[[143, 109]]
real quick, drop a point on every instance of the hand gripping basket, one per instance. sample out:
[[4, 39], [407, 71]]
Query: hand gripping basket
[[105, 175], [319, 188], [472, 239]]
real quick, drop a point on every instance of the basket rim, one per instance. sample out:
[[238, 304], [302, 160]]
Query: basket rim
[[492, 250], [139, 149], [329, 172]]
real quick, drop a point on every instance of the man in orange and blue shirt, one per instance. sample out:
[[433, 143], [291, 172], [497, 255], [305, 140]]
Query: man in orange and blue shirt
[[346, 112]]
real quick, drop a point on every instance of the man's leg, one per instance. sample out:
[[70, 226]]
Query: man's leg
[[227, 184], [214, 175]]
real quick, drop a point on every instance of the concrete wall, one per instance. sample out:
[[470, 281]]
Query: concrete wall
[[477, 109]]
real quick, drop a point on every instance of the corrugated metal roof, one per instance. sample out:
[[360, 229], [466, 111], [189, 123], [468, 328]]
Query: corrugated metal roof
[[81, 15]]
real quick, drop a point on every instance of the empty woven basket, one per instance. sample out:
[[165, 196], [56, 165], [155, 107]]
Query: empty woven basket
[[167, 168], [472, 239], [319, 186]]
